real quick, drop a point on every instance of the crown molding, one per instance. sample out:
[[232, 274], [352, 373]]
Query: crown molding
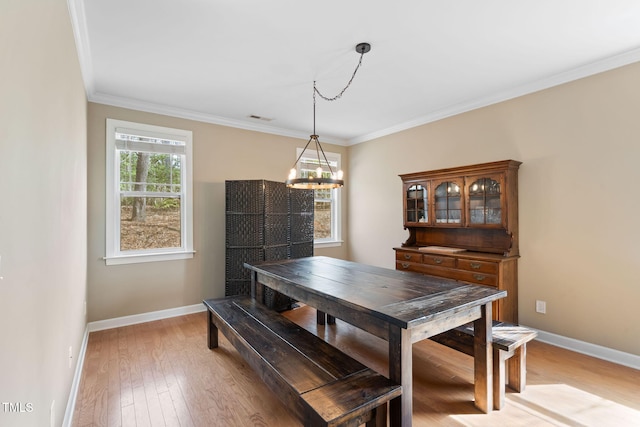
[[81, 36], [149, 107]]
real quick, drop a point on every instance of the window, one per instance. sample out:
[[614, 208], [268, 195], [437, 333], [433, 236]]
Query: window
[[149, 193], [326, 201]]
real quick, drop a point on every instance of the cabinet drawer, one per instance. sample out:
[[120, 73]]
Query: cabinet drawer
[[408, 266], [471, 277], [408, 256], [478, 266], [434, 270], [439, 260]]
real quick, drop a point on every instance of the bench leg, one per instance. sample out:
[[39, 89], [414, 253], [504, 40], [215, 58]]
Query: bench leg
[[509, 367], [379, 417], [322, 318], [212, 332], [499, 358], [517, 378]]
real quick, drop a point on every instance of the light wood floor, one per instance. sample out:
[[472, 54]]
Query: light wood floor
[[162, 374]]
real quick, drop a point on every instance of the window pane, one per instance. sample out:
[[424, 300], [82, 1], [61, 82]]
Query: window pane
[[149, 223], [149, 200], [322, 220]]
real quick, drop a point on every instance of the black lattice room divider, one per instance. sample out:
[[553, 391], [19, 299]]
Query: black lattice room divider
[[265, 220]]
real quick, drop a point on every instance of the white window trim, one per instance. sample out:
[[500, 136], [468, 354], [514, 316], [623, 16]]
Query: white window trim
[[336, 208], [113, 254]]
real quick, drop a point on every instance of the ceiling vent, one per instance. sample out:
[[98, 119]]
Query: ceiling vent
[[264, 119]]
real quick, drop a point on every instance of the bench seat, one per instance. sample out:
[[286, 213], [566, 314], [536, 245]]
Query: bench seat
[[509, 348], [318, 383]]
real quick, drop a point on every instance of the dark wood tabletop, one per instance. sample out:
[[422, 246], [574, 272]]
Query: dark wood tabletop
[[400, 307]]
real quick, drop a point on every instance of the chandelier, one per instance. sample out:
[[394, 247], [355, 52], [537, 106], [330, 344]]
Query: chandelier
[[320, 180]]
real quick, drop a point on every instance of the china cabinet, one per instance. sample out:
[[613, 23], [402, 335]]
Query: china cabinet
[[463, 224]]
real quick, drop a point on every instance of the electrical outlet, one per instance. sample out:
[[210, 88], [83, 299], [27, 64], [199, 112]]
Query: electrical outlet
[[70, 356], [541, 307]]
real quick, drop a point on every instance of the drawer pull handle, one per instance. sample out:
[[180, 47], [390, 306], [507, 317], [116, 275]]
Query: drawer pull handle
[[407, 256], [479, 277], [405, 265], [438, 260], [475, 265]]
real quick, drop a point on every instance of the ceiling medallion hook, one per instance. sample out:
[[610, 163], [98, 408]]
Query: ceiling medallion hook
[[363, 48], [322, 178]]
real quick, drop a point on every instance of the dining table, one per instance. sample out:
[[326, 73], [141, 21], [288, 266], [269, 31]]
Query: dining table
[[398, 306]]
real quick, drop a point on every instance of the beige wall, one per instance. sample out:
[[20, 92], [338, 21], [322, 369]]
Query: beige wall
[[578, 193], [220, 153], [43, 210]]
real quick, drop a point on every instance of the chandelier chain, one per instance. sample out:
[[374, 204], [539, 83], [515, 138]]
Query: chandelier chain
[[338, 96], [321, 180]]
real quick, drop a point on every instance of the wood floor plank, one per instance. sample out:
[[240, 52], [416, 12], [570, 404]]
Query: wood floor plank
[[101, 393], [85, 402], [114, 409], [169, 414], [145, 347], [162, 374], [180, 406], [129, 416], [140, 407], [125, 360]]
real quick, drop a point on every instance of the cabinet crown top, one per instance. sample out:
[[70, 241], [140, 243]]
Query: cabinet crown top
[[467, 170]]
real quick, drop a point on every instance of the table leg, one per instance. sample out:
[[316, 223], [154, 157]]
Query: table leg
[[483, 360], [257, 288], [400, 371], [212, 332], [254, 280]]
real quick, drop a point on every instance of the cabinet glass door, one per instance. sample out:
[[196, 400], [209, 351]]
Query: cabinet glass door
[[448, 203], [416, 202], [485, 202]]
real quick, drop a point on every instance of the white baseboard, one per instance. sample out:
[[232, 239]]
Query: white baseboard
[[75, 384], [144, 317], [605, 353]]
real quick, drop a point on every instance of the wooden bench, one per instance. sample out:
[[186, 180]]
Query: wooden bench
[[318, 383], [509, 346]]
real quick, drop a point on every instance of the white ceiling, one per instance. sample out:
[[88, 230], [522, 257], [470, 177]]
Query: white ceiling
[[221, 61]]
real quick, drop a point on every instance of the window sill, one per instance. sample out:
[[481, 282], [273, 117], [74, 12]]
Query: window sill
[[328, 244], [139, 258]]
